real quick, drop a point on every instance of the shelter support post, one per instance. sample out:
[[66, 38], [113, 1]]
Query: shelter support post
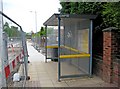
[[90, 47], [46, 44], [59, 72]]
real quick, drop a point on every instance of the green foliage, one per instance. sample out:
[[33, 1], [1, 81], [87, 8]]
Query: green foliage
[[11, 31], [110, 12], [81, 7], [74, 7], [66, 7], [33, 35], [40, 33], [28, 35]]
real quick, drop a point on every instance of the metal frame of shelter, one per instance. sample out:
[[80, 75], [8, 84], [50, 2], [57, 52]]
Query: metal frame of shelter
[[60, 20]]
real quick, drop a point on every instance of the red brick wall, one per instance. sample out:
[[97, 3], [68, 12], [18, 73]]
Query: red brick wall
[[107, 61], [111, 52], [106, 56], [116, 60], [116, 73]]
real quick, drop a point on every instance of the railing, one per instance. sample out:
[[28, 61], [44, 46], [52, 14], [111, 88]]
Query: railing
[[13, 51]]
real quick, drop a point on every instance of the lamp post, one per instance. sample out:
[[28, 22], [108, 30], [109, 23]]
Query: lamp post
[[35, 26]]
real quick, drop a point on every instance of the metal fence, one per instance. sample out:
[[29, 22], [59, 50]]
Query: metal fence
[[38, 42], [74, 44], [13, 51]]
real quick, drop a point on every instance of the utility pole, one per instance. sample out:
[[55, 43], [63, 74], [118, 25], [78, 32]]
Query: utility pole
[[35, 26]]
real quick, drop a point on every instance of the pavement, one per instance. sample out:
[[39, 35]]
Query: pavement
[[34, 55], [45, 74]]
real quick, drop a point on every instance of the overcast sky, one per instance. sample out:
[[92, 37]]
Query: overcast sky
[[19, 10]]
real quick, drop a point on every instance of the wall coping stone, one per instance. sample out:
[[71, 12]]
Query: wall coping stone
[[110, 29]]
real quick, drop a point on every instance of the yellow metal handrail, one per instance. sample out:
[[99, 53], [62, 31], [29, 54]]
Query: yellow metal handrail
[[82, 55]]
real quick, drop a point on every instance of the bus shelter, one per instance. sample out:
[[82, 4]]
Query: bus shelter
[[74, 44]]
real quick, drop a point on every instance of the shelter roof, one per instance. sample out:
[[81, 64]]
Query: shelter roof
[[53, 20]]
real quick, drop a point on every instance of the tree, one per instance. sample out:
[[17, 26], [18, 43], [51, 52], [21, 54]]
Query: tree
[[11, 31], [42, 34], [42, 31], [66, 7], [15, 32], [109, 12], [81, 7], [7, 29]]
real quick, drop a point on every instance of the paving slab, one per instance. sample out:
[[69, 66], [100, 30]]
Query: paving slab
[[45, 74]]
